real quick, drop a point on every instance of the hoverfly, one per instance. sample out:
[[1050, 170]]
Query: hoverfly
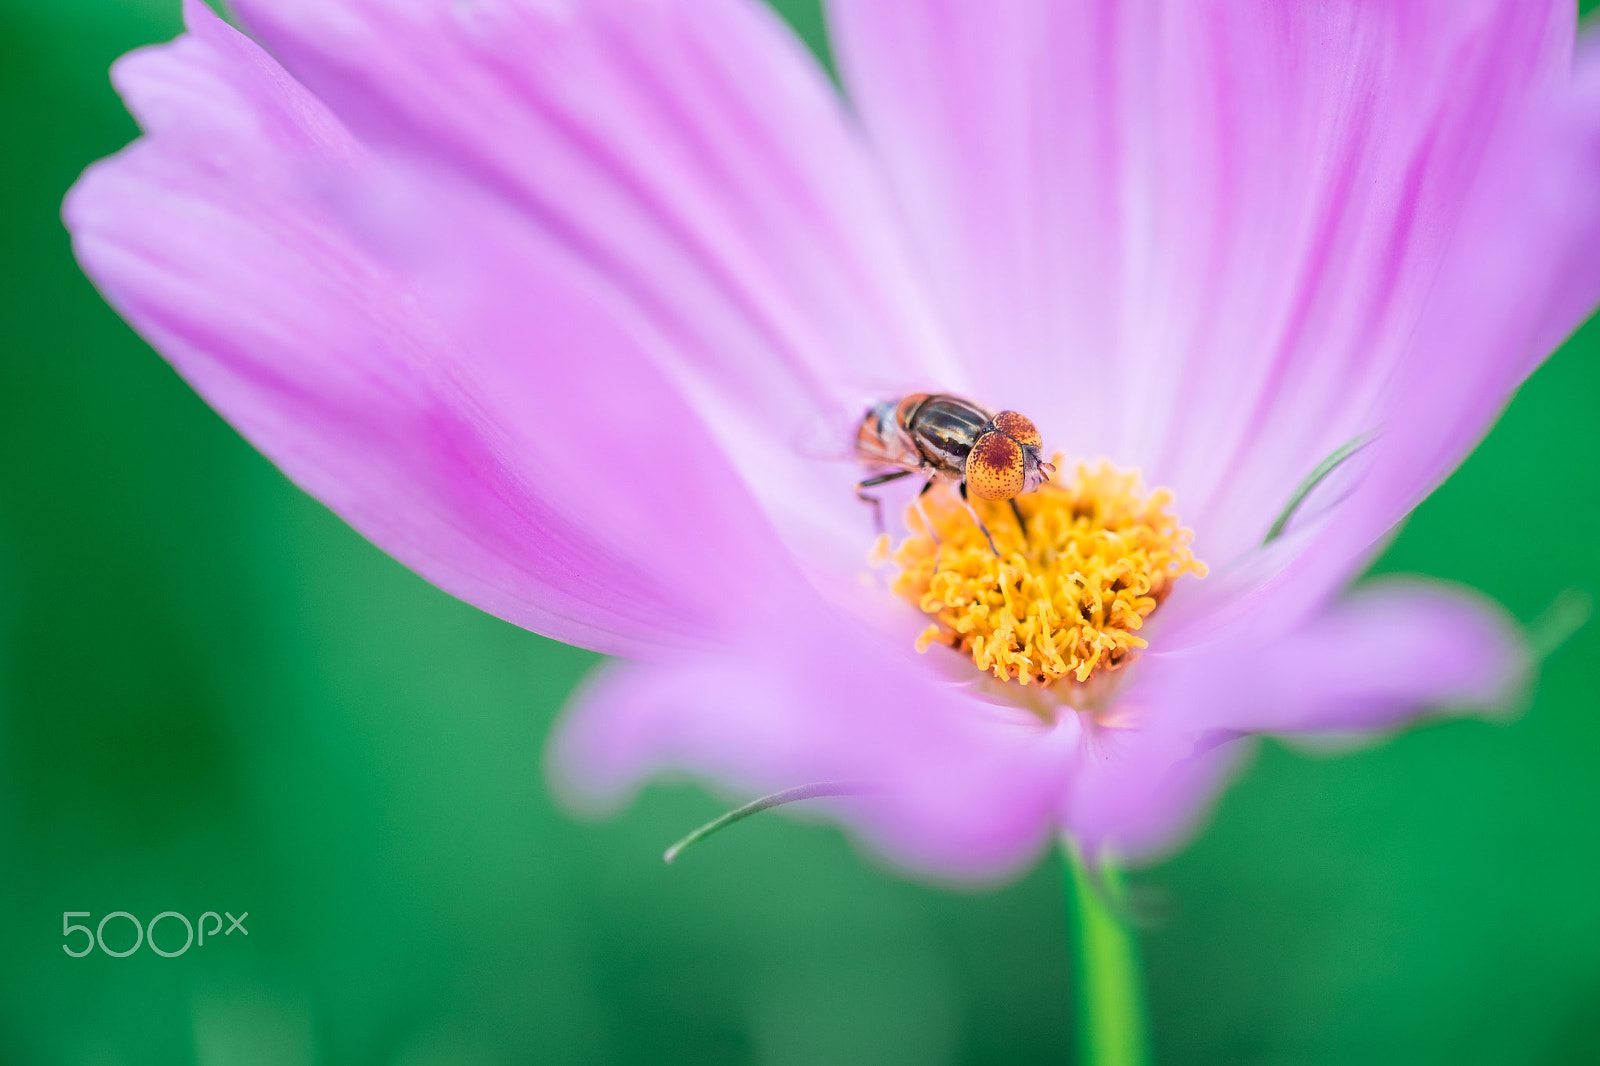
[[946, 438]]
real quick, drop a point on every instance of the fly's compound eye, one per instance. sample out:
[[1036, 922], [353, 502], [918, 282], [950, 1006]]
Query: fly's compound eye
[[995, 467], [1019, 428]]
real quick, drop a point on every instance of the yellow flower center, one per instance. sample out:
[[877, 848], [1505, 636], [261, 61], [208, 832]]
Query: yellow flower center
[[1066, 601]]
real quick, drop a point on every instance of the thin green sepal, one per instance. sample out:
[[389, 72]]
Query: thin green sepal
[[815, 790], [1340, 454]]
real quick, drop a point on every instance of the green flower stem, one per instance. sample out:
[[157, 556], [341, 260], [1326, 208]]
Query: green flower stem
[[1108, 990]]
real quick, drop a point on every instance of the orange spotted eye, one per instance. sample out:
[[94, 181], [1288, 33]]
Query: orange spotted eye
[[1019, 428], [994, 468]]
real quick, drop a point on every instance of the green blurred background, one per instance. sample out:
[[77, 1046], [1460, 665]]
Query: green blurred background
[[215, 696]]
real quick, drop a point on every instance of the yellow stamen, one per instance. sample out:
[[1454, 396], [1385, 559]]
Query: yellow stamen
[[1067, 602]]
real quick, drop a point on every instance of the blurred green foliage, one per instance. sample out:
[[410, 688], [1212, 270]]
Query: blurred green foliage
[[215, 696]]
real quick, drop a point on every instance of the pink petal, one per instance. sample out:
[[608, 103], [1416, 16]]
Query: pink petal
[[689, 158], [962, 789], [1138, 794], [219, 238], [1522, 272], [1389, 651], [1197, 237]]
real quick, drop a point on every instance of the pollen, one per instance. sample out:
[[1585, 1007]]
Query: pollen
[[1064, 603]]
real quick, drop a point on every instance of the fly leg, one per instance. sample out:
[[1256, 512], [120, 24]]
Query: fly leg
[[1021, 525], [971, 511], [926, 524], [877, 504]]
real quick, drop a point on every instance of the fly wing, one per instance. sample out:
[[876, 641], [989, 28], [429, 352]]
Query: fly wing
[[882, 439], [829, 438], [869, 435]]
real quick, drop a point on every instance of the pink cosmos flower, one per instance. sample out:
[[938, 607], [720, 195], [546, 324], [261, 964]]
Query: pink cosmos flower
[[544, 296]]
